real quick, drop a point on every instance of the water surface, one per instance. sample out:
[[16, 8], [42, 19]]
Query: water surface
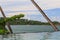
[[32, 28]]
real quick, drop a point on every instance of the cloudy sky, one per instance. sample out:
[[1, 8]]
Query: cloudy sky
[[14, 7]]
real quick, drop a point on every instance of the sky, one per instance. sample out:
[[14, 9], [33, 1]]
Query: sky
[[15, 7]]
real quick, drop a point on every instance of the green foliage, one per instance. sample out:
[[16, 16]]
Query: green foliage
[[55, 22], [28, 22], [17, 16], [13, 18], [3, 22], [2, 31]]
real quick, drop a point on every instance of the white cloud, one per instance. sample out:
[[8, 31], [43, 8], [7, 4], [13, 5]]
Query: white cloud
[[16, 8], [11, 0], [49, 4], [44, 4]]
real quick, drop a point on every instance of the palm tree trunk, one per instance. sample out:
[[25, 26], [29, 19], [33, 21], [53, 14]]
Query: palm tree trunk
[[10, 30], [44, 15]]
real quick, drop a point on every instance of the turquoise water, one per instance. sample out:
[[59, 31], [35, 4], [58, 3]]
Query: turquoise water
[[32, 28], [33, 32], [32, 36]]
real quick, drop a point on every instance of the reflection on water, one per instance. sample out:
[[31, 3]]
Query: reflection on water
[[33, 36], [32, 32], [32, 28]]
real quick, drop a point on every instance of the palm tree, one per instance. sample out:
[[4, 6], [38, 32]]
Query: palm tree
[[44, 15], [10, 30]]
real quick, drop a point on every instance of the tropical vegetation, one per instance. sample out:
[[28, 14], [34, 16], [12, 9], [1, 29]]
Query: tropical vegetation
[[3, 22]]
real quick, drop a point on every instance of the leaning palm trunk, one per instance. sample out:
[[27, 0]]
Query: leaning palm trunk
[[10, 30], [44, 15]]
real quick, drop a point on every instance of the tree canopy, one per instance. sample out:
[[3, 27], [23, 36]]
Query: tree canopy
[[3, 22]]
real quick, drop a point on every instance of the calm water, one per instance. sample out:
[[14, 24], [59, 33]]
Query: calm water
[[44, 32], [32, 28]]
